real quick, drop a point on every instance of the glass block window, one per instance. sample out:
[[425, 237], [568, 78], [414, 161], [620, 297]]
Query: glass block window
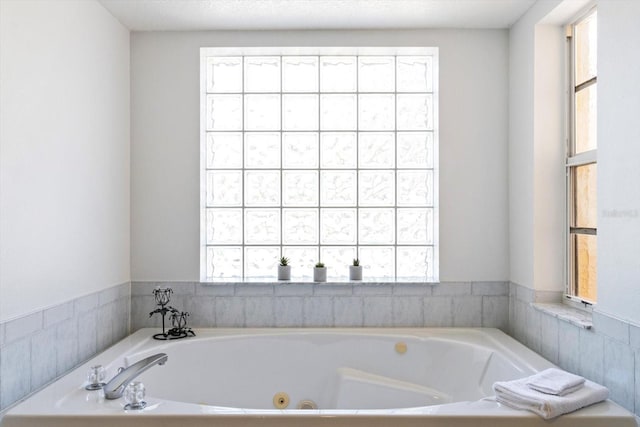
[[319, 158]]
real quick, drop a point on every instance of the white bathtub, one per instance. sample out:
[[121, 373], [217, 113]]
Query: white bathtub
[[356, 377]]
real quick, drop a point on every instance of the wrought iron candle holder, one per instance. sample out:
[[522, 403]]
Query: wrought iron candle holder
[[178, 318]]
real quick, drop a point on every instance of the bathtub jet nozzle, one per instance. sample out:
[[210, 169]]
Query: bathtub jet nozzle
[[115, 387]]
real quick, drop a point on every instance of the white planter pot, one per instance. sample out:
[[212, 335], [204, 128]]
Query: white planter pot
[[284, 272], [355, 272], [319, 274]]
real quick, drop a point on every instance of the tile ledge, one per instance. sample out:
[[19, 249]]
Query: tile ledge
[[311, 282], [565, 313]]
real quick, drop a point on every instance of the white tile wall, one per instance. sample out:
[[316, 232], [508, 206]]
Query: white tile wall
[[608, 353], [619, 370], [407, 311], [438, 311], [292, 290], [36, 349], [372, 290], [66, 345], [15, 370], [105, 320], [490, 288], [569, 351], [532, 330], [347, 311], [611, 327], [636, 390], [43, 360], [58, 313], [519, 327], [24, 326], [332, 290], [494, 314], [467, 311], [452, 288], [229, 312], [259, 311], [550, 337], [87, 303], [377, 311], [318, 311], [634, 336], [288, 311], [87, 334], [333, 304], [412, 289], [213, 290], [591, 344]]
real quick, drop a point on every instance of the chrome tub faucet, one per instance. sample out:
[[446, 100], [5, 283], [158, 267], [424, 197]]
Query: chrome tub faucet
[[115, 387]]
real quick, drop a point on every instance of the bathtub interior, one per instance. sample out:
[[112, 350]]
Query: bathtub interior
[[229, 377], [335, 371]]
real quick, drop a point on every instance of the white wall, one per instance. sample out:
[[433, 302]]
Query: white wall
[[473, 144], [521, 43], [549, 158], [619, 159], [64, 152], [535, 235]]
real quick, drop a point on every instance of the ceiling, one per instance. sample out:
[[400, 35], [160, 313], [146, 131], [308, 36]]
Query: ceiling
[[195, 15]]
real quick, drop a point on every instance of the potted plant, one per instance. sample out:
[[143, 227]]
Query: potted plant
[[355, 270], [284, 269], [320, 273]]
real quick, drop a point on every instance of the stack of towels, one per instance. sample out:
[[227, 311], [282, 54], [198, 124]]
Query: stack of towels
[[550, 393]]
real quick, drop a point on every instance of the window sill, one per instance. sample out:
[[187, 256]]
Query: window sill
[[330, 281], [579, 318]]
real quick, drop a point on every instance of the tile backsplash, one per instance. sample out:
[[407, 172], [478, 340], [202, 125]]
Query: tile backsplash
[[40, 347], [470, 304]]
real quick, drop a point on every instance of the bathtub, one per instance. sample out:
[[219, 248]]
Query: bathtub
[[349, 377]]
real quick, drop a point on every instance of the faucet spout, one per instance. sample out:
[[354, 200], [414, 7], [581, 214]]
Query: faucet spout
[[115, 387]]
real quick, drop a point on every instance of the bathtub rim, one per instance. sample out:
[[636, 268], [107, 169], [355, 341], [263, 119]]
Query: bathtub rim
[[44, 403]]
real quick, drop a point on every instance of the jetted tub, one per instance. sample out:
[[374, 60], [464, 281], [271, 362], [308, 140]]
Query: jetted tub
[[355, 377]]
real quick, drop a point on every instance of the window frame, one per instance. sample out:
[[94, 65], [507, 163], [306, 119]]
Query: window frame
[[572, 162], [316, 51]]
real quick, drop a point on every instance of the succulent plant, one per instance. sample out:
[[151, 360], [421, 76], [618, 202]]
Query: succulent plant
[[356, 262], [284, 261], [320, 265]]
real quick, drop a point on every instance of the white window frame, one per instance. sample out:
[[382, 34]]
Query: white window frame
[[573, 161], [321, 51]]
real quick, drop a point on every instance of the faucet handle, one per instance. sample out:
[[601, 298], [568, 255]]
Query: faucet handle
[[134, 396], [95, 377]]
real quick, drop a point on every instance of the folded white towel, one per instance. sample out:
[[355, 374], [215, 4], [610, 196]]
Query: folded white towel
[[555, 381], [517, 394]]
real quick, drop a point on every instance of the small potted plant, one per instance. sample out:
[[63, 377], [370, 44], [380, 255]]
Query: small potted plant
[[355, 270], [284, 269], [320, 273]]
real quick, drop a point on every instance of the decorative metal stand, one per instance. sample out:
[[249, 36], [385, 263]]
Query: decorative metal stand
[[178, 318]]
